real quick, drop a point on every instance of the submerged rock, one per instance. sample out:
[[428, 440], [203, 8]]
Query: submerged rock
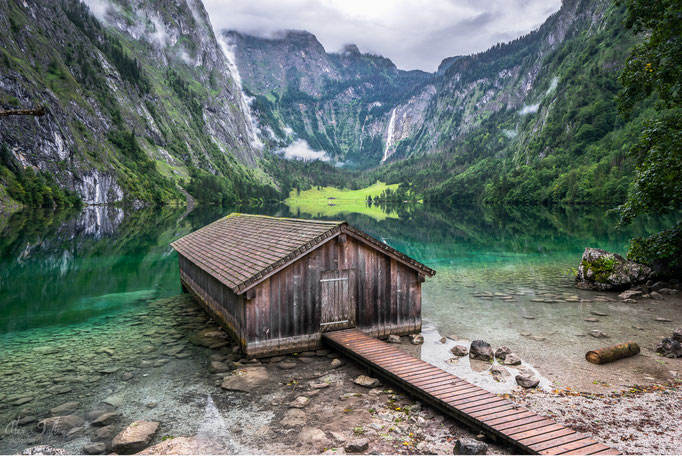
[[602, 270], [95, 448], [135, 437], [598, 334], [481, 350], [60, 425], [43, 449], [65, 409], [106, 419], [629, 294], [184, 445]]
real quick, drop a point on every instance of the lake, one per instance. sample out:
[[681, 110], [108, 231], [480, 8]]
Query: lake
[[89, 300]]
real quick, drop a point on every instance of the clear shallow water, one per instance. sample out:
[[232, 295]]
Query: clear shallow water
[[89, 313]]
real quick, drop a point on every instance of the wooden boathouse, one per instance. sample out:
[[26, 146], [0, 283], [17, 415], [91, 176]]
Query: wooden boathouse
[[276, 284]]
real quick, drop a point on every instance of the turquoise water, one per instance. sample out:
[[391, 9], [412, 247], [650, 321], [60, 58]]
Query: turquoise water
[[75, 283]]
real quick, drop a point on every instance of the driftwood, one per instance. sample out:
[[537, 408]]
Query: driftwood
[[22, 112], [608, 354]]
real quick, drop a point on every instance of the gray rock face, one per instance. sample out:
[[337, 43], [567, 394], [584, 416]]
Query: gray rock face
[[367, 382], [60, 425], [512, 360], [393, 339], [135, 437], [481, 350], [502, 352], [459, 350], [601, 270], [470, 446], [670, 348], [527, 381], [357, 445]]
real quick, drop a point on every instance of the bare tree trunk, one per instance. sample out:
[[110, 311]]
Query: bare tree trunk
[[22, 112], [608, 354]]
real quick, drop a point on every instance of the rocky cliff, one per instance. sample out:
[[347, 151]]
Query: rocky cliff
[[138, 94]]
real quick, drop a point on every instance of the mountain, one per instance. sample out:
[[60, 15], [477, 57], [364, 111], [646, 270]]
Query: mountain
[[139, 95], [339, 103], [531, 120]]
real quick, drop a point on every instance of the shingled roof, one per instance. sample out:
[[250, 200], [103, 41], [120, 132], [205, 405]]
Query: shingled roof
[[241, 250]]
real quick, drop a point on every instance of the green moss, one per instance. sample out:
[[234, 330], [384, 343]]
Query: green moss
[[601, 267]]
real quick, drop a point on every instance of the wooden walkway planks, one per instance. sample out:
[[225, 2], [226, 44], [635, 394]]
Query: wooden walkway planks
[[462, 400]]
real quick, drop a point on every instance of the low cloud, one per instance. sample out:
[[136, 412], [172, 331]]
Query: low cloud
[[300, 150], [414, 34], [529, 109]]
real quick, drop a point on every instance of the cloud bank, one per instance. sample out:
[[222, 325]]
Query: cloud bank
[[415, 34], [300, 150]]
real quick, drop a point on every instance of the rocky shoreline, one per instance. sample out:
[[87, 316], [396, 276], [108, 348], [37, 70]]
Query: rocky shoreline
[[170, 381]]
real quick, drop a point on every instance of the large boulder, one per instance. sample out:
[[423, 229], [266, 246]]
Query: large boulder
[[135, 437], [481, 350], [602, 270]]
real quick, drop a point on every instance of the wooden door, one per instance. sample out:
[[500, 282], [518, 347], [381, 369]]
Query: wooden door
[[337, 303]]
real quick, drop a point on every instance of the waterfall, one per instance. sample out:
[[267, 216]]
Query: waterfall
[[389, 135], [244, 101]]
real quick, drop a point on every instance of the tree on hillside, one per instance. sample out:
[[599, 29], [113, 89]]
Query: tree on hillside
[[653, 71]]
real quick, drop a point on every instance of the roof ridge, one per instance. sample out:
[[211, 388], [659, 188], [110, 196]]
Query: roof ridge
[[290, 219]]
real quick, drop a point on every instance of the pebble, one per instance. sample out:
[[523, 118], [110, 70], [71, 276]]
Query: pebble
[[599, 314], [598, 334], [336, 363], [591, 320], [287, 365]]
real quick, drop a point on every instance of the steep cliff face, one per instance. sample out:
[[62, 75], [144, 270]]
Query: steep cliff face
[[138, 93], [340, 103]]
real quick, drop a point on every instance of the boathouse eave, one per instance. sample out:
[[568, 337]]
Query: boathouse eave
[[344, 228]]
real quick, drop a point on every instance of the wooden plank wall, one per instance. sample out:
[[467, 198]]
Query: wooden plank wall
[[284, 315], [221, 302]]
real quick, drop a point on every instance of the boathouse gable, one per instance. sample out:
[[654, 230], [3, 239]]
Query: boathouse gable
[[276, 284]]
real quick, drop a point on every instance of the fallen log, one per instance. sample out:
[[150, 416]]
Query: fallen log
[[22, 112], [612, 353]]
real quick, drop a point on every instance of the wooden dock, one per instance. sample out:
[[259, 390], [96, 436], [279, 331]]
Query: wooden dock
[[494, 415]]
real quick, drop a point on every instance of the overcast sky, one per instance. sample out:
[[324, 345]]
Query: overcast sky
[[415, 34]]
